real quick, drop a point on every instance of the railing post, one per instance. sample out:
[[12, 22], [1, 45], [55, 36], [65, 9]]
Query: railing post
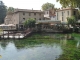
[[3, 34], [8, 34]]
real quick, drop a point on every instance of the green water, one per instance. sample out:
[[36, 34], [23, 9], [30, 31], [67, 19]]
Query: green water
[[42, 47]]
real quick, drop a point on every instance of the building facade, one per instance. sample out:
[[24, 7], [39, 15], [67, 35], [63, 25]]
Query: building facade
[[20, 15], [49, 14], [62, 14]]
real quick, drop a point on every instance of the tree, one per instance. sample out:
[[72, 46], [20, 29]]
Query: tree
[[47, 6], [30, 23], [72, 3], [3, 11], [10, 10], [71, 20]]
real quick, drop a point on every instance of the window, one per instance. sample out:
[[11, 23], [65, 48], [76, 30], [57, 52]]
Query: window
[[29, 14], [54, 12], [57, 15], [62, 13], [34, 13], [68, 13], [74, 12], [62, 18], [23, 18], [23, 13], [39, 18]]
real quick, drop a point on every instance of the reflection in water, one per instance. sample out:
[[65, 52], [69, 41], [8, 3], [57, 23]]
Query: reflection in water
[[63, 40], [41, 52], [38, 47], [3, 44]]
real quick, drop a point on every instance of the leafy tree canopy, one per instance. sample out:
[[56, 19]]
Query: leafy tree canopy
[[71, 20], [3, 11], [72, 3], [10, 10], [30, 23], [47, 6]]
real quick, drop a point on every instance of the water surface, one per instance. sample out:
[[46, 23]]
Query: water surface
[[41, 47]]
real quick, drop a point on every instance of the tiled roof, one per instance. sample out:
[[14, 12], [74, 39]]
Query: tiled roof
[[66, 9], [27, 10]]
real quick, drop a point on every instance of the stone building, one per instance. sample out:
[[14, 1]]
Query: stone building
[[20, 15], [62, 14]]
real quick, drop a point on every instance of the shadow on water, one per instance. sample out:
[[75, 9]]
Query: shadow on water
[[42, 47]]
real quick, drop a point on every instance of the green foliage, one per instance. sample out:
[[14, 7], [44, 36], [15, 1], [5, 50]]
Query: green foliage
[[71, 20], [30, 23], [72, 3], [3, 11], [10, 10], [47, 6]]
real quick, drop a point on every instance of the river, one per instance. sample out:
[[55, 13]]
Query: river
[[42, 47]]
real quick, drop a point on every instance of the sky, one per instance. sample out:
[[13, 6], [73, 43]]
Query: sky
[[29, 4]]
